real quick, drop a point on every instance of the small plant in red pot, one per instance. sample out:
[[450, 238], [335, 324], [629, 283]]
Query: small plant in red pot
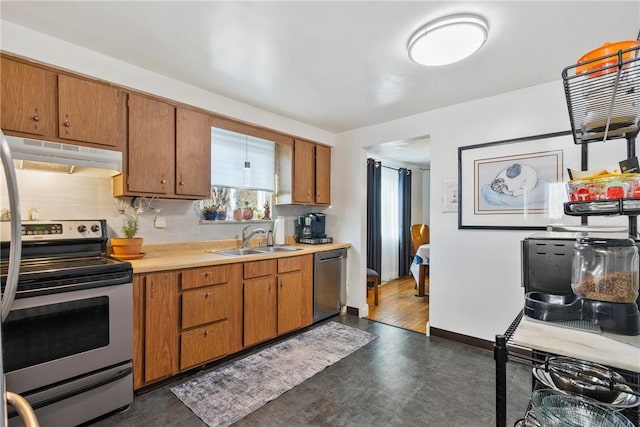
[[247, 212]]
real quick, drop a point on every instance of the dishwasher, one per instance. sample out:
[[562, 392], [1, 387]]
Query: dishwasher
[[329, 281]]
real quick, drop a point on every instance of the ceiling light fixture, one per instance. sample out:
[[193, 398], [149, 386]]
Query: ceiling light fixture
[[448, 40]]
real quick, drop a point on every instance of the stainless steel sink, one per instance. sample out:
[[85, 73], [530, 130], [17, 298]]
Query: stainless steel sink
[[235, 252], [275, 249], [253, 251]]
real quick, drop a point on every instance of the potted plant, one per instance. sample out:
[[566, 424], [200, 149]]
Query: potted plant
[[220, 198], [247, 212], [129, 245], [210, 213]]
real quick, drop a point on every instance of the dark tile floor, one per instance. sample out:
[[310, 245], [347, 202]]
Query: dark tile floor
[[401, 379]]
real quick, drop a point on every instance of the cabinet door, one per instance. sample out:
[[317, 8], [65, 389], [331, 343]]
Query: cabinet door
[[323, 175], [290, 302], [259, 310], [87, 111], [151, 158], [28, 99], [204, 344], [303, 172], [205, 305], [193, 153], [161, 326]]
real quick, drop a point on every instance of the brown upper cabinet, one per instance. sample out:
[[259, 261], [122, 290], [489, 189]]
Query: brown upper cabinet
[[168, 151], [166, 147], [28, 99], [193, 153], [87, 111], [150, 149], [32, 97], [303, 173], [323, 174]]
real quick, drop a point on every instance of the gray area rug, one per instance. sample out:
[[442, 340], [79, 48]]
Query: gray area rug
[[224, 396]]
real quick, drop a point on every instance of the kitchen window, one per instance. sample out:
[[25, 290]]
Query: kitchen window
[[229, 152]]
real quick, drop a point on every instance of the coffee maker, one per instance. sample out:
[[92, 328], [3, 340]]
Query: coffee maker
[[309, 229]]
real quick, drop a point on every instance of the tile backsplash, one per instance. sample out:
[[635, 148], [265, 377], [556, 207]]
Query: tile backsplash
[[57, 195]]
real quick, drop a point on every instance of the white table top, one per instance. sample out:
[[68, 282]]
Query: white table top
[[616, 351], [423, 252]]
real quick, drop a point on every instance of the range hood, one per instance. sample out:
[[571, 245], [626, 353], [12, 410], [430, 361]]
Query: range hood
[[59, 157]]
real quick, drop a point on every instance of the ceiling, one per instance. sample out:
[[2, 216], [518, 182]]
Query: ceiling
[[335, 65]]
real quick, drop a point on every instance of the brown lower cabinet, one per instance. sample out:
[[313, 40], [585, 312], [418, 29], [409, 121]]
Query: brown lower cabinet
[[187, 318], [156, 303]]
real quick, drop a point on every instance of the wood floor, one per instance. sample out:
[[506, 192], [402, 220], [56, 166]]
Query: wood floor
[[398, 305]]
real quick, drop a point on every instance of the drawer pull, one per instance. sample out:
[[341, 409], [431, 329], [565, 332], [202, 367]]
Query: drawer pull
[[206, 333], [206, 295], [205, 274]]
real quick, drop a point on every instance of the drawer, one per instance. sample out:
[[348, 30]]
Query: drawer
[[204, 344], [259, 268], [205, 276], [205, 305], [286, 265]]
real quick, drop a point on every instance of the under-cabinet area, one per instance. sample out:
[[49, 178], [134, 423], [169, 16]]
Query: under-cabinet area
[[188, 317]]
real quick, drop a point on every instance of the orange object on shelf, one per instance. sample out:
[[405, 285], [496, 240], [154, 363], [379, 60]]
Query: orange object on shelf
[[608, 53]]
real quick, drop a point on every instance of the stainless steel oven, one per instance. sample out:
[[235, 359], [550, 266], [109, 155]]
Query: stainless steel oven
[[68, 338]]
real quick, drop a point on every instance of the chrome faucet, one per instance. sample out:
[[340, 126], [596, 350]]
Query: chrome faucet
[[247, 236]]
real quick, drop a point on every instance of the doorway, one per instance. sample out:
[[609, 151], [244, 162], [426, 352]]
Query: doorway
[[398, 305]]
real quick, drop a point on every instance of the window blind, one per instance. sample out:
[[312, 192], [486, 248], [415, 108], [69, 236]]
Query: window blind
[[229, 150]]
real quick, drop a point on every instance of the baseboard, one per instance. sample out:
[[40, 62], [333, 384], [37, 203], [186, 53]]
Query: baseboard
[[464, 339]]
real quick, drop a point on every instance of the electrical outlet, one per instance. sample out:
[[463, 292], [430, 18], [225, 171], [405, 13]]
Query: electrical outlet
[[161, 222]]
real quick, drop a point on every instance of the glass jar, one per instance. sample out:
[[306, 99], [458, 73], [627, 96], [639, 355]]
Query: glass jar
[[605, 269]]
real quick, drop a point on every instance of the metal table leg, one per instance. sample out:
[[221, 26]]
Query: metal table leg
[[500, 356]]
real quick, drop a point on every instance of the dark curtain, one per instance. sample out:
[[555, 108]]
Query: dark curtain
[[374, 223], [404, 214]]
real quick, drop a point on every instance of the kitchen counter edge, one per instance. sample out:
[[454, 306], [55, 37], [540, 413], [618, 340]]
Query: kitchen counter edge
[[188, 258]]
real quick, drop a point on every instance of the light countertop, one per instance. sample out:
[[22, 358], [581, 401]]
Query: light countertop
[[174, 256], [616, 351]]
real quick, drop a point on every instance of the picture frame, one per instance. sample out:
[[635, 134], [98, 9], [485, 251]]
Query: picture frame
[[516, 184], [449, 196]]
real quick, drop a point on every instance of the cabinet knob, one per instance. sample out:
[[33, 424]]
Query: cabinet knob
[[206, 295], [205, 274], [36, 116], [181, 182], [67, 123], [163, 181]]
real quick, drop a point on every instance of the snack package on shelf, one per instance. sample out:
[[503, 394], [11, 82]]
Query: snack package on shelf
[[602, 185]]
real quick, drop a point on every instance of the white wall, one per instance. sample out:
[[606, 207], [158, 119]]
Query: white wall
[[25, 42], [474, 274]]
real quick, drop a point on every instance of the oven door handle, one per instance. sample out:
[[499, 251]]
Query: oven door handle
[[15, 251], [23, 408]]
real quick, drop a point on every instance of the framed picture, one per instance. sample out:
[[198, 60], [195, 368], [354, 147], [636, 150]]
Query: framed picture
[[516, 183], [449, 196]]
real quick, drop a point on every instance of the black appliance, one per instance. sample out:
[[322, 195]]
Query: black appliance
[[310, 229], [67, 341], [547, 260]]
